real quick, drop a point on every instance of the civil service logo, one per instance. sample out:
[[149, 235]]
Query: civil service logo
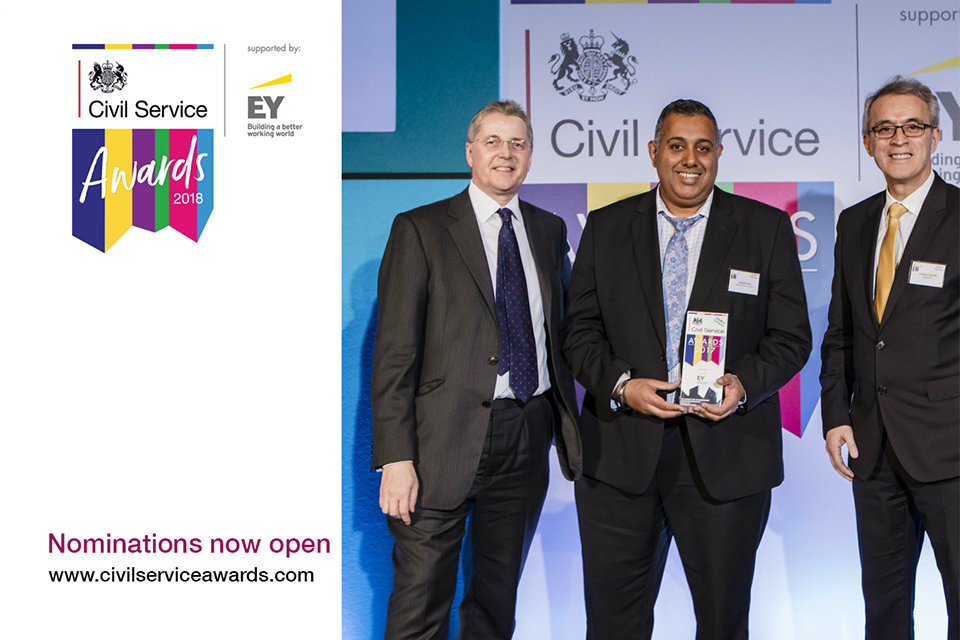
[[151, 167]]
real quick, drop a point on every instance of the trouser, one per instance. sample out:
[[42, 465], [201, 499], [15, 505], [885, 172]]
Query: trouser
[[893, 512], [505, 502], [625, 539]]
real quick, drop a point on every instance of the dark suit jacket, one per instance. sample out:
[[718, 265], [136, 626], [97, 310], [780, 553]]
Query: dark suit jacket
[[906, 367], [435, 351], [616, 324]]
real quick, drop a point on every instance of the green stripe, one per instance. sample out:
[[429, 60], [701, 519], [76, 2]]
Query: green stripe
[[162, 192]]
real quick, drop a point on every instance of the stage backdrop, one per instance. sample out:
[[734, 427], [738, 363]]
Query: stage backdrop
[[786, 81]]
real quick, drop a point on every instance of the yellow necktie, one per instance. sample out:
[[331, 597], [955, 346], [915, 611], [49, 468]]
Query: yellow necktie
[[887, 263]]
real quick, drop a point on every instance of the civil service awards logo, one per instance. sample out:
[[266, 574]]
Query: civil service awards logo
[[150, 163], [590, 71]]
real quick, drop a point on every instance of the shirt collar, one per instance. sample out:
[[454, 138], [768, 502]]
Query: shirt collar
[[704, 209], [486, 207], [914, 201]]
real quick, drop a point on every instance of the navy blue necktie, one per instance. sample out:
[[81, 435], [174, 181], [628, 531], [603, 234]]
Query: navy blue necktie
[[518, 351]]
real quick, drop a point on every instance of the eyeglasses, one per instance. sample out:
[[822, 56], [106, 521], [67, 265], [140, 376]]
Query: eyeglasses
[[495, 143], [911, 130]]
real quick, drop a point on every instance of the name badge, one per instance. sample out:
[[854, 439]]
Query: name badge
[[745, 282], [927, 274]]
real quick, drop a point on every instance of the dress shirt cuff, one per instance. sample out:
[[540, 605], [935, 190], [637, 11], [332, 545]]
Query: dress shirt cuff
[[614, 405], [380, 469]]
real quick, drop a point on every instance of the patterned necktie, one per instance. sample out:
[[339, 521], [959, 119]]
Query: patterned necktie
[[887, 263], [518, 351], [675, 285]]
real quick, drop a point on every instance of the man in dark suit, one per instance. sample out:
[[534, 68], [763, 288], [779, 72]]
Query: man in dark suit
[[890, 361], [469, 386], [652, 469]]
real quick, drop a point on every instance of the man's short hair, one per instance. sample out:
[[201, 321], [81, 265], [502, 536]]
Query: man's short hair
[[685, 107], [505, 108], [898, 85]]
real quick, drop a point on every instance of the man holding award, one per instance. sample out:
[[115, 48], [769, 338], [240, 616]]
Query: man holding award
[[661, 462]]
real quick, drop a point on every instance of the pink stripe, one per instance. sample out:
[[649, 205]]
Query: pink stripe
[[782, 195], [183, 206], [790, 406]]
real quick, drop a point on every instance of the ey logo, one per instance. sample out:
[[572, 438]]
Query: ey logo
[[260, 107]]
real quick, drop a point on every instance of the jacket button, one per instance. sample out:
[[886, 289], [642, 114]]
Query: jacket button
[[882, 390], [493, 360], [663, 357], [485, 404], [880, 345]]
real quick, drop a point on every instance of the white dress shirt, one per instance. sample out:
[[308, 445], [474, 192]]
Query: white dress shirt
[[913, 204], [694, 237], [489, 223]]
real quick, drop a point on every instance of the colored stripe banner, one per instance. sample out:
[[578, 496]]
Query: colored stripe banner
[[144, 178], [143, 46]]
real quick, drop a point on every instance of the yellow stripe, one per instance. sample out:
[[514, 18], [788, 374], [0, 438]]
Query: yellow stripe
[[280, 80], [118, 208], [946, 64], [600, 194], [118, 46]]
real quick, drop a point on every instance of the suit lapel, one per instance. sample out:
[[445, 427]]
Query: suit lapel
[[930, 217], [646, 253], [539, 247], [466, 236], [868, 248], [721, 227]]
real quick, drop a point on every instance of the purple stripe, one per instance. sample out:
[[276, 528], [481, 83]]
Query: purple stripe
[[143, 200]]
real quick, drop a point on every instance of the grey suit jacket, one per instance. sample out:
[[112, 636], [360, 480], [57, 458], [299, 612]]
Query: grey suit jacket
[[905, 368], [437, 344]]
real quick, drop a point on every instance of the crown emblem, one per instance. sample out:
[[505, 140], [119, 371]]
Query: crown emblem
[[591, 41]]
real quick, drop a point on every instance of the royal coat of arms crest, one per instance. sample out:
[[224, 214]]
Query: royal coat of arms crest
[[593, 72], [107, 78]]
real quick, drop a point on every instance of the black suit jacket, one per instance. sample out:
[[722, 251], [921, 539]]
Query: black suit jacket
[[616, 324], [904, 368], [434, 358]]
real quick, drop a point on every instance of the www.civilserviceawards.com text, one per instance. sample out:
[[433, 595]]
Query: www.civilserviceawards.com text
[[131, 575]]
